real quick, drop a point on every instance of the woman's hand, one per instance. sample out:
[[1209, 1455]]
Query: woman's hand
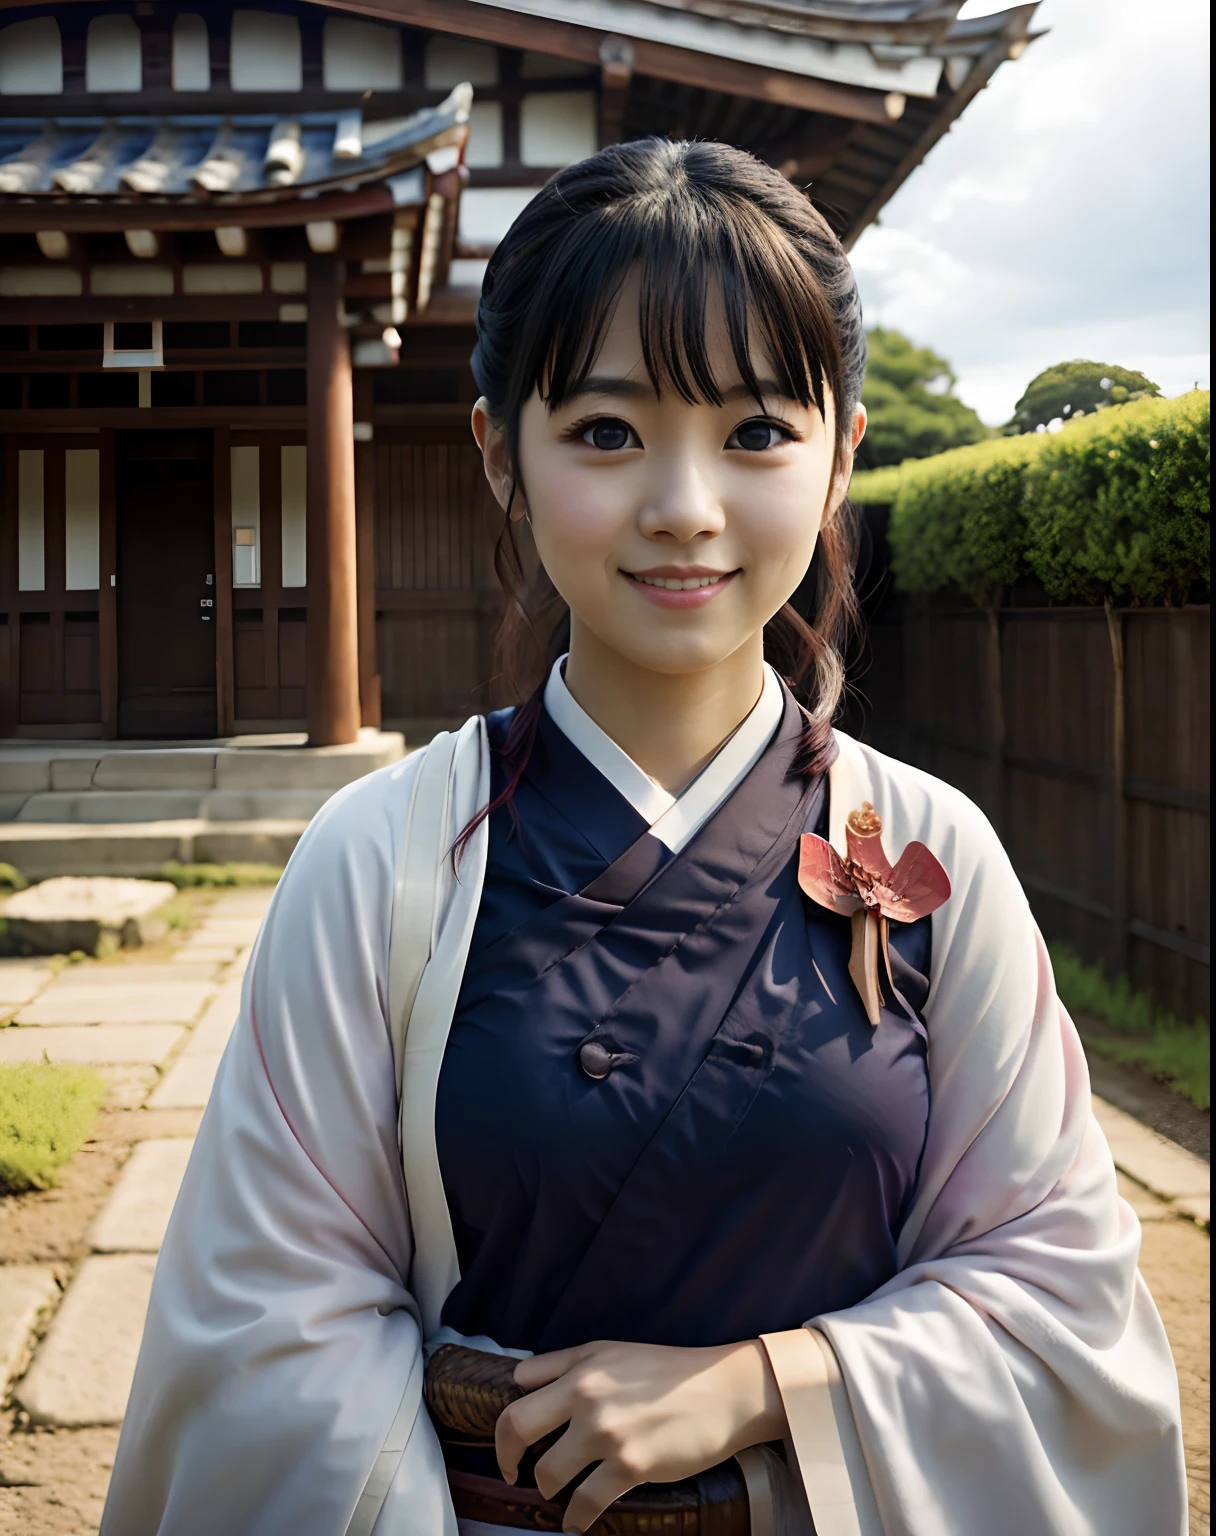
[[646, 1413]]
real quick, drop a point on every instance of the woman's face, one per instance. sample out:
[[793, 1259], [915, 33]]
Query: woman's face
[[674, 531]]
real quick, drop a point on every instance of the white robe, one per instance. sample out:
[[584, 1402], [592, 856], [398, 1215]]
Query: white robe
[[1012, 1379]]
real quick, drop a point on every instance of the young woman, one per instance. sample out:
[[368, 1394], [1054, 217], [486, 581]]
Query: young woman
[[736, 1139]]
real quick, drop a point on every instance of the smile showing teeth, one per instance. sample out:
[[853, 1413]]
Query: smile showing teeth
[[675, 584]]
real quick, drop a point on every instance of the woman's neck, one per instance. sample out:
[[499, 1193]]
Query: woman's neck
[[670, 724]]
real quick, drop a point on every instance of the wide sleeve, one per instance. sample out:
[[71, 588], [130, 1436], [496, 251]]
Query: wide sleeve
[[1014, 1376], [281, 1363]]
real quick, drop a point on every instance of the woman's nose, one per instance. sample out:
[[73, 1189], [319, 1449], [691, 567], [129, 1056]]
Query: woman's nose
[[683, 504]]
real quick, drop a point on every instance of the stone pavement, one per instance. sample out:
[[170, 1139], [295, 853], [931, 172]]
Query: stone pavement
[[76, 1263], [71, 1315]]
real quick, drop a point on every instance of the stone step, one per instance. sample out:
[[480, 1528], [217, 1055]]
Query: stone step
[[241, 764], [99, 806], [42, 849]]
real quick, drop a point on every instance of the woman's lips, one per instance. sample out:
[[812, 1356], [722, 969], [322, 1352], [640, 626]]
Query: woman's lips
[[686, 595]]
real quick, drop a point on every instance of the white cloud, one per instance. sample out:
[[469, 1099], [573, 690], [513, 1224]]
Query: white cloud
[[1065, 215]]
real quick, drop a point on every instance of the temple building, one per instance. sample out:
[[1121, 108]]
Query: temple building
[[240, 256]]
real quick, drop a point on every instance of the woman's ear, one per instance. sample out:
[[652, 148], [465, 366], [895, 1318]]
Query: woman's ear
[[844, 470], [496, 459]]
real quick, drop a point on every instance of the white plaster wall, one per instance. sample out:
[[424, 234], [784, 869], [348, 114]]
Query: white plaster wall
[[113, 56], [31, 58], [191, 54], [265, 52], [557, 127], [451, 60], [360, 56], [486, 213], [485, 134]]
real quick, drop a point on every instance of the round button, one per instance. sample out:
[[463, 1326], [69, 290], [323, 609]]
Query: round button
[[596, 1059]]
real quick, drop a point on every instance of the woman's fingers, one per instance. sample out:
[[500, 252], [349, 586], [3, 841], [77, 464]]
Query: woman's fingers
[[526, 1421], [594, 1494], [540, 1370]]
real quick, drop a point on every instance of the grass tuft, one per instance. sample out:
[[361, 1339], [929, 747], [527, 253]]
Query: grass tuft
[[216, 876], [46, 1114], [1168, 1048]]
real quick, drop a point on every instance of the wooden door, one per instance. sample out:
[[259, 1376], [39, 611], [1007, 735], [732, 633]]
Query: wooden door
[[436, 595], [52, 500], [165, 564]]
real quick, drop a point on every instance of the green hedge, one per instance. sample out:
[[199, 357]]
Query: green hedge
[[1116, 504]]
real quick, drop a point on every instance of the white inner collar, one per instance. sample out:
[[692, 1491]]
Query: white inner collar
[[673, 819]]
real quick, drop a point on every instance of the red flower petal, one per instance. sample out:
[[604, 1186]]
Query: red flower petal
[[916, 886], [823, 876]]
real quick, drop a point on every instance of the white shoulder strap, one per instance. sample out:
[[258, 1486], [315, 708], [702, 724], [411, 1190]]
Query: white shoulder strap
[[416, 898]]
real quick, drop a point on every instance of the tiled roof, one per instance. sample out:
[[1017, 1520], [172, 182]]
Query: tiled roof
[[234, 160]]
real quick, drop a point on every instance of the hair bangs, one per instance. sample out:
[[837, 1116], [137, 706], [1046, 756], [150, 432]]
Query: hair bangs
[[689, 252]]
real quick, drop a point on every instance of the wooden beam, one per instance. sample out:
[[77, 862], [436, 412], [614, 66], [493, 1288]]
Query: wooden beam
[[118, 214], [332, 687], [83, 419], [86, 311], [662, 61]]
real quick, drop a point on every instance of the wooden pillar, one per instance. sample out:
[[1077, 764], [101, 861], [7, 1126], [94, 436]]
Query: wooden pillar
[[225, 672], [107, 594], [365, 542], [332, 688]]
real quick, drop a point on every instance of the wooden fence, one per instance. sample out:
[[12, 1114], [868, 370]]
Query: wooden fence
[[1084, 735]]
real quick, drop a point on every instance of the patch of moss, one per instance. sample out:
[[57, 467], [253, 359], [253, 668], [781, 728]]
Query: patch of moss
[[46, 1114], [218, 876]]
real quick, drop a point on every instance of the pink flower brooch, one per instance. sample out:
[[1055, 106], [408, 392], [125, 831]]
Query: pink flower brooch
[[865, 887]]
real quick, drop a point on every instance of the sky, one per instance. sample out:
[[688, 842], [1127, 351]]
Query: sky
[[1066, 213]]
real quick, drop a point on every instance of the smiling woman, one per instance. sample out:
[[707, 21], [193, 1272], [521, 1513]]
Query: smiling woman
[[573, 1152]]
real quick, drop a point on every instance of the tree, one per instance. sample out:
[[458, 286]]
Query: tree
[[1073, 389], [909, 397]]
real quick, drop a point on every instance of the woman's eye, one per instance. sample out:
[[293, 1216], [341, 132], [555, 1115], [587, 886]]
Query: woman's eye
[[610, 434], [756, 436]]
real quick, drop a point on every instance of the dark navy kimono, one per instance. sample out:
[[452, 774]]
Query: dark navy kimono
[[662, 1115]]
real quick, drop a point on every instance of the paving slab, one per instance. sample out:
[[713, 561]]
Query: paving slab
[[188, 1082], [99, 1043], [1145, 1204], [1150, 1158], [1197, 1207], [120, 973], [24, 1290], [118, 1001], [134, 1218], [83, 1369], [22, 980], [128, 1086], [205, 954], [210, 1035]]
